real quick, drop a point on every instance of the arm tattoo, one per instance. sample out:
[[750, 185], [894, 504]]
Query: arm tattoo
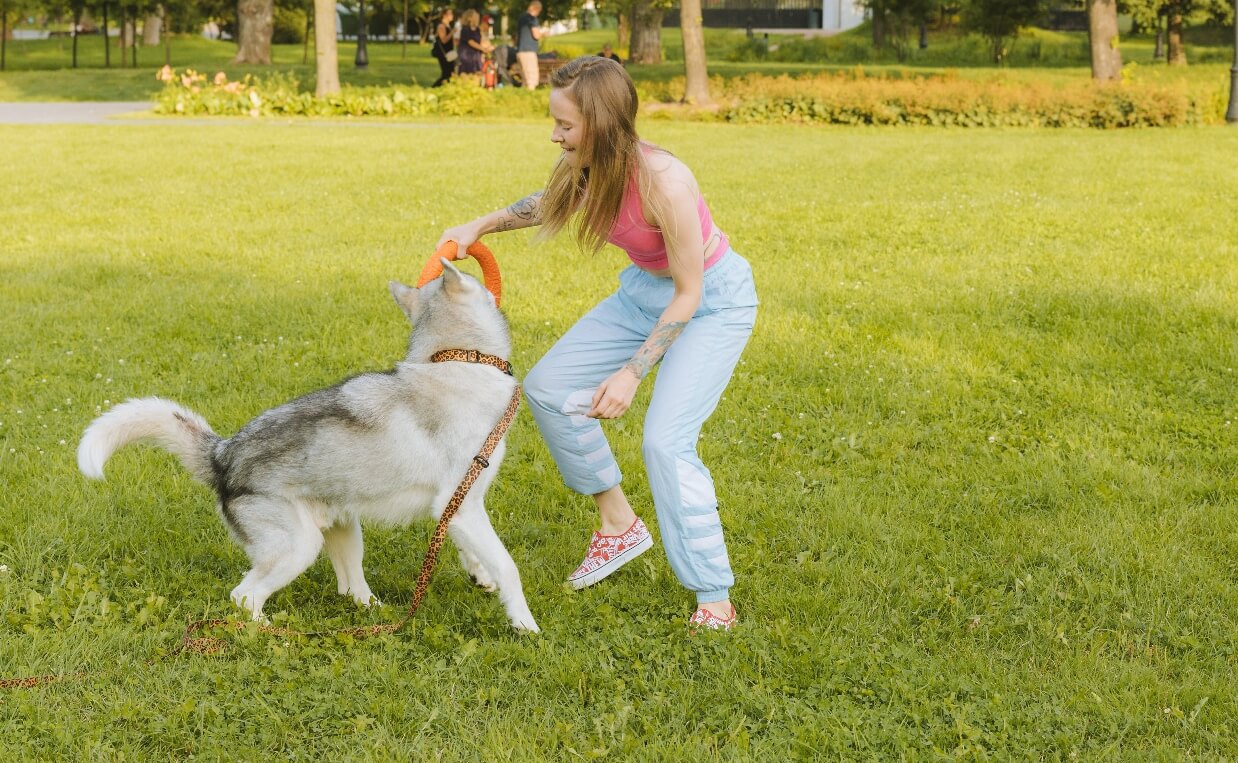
[[659, 341], [527, 209]]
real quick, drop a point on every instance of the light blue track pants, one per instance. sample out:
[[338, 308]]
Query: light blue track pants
[[690, 380]]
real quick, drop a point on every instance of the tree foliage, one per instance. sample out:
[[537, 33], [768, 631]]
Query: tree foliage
[[999, 21], [1176, 13], [894, 21]]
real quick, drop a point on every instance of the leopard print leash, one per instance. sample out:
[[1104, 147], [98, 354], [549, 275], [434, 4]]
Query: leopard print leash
[[211, 645]]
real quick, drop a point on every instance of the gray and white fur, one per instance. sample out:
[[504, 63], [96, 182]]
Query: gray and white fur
[[389, 447]]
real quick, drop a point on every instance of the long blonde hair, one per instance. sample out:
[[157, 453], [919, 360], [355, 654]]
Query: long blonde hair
[[610, 148]]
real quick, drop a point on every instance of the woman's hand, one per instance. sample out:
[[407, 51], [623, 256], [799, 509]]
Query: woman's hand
[[464, 236], [614, 396]]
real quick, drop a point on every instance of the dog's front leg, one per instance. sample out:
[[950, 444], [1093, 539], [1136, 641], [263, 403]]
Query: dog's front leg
[[475, 537], [345, 549]]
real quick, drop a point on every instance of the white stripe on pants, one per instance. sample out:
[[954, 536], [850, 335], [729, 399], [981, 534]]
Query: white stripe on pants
[[690, 381]]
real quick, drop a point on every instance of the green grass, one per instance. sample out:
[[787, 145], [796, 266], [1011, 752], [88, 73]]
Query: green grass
[[977, 469], [38, 69]]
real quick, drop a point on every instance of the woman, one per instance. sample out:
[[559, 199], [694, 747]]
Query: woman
[[687, 301], [473, 46], [444, 47]]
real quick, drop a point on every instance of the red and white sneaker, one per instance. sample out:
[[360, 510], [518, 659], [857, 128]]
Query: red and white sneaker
[[608, 553], [703, 618]]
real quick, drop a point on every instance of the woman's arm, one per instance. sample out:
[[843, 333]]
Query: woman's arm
[[522, 214], [681, 230]]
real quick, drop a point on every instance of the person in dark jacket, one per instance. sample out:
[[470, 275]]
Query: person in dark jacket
[[444, 49]]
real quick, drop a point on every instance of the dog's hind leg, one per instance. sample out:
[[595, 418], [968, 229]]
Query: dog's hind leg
[[345, 549], [475, 537], [282, 542]]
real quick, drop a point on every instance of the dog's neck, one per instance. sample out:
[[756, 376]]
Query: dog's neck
[[472, 356]]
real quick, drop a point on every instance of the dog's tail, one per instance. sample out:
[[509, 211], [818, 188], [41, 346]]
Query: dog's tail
[[175, 428]]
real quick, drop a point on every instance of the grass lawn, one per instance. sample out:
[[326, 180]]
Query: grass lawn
[[977, 469]]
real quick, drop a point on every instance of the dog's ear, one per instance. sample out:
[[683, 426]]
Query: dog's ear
[[454, 282], [405, 296]]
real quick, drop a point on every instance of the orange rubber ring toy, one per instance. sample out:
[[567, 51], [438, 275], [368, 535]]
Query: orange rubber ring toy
[[450, 251]]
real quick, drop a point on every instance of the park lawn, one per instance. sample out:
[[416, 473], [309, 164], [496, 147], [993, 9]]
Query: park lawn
[[977, 468]]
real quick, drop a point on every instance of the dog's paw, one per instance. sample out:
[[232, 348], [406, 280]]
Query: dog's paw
[[244, 601], [525, 625], [484, 583], [482, 579]]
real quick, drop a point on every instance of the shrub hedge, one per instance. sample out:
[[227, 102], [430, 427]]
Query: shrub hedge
[[956, 102], [852, 98]]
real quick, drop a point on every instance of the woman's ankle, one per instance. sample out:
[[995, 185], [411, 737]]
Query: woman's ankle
[[615, 512]]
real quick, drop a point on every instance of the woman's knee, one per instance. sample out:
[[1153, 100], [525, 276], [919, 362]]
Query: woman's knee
[[663, 445], [540, 388]]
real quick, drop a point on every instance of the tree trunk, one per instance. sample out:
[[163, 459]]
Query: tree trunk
[[1159, 51], [107, 47], [255, 22], [646, 33], [77, 25], [1103, 39], [1177, 51], [4, 33], [124, 41], [879, 25], [152, 27], [696, 74], [325, 53]]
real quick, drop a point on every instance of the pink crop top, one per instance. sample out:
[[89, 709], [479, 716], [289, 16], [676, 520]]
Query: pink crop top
[[644, 243]]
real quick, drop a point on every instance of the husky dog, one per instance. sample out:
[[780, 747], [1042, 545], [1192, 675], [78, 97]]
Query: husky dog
[[390, 447]]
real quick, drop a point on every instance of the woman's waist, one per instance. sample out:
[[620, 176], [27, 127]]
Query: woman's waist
[[658, 263]]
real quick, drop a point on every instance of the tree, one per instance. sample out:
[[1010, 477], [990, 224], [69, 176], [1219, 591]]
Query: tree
[[107, 47], [4, 32], [255, 21], [998, 21], [696, 74], [646, 44], [1175, 12], [1103, 39], [152, 27], [326, 55], [895, 20]]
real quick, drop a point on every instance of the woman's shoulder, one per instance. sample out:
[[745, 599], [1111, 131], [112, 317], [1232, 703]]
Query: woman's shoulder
[[669, 176]]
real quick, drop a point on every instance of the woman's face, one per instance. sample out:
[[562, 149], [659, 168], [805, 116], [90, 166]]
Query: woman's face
[[568, 130], [448, 17]]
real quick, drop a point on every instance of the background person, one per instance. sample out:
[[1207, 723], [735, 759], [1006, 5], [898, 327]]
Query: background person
[[444, 49], [686, 301], [473, 46], [528, 37], [609, 52]]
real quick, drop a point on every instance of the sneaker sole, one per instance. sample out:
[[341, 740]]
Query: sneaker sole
[[588, 579]]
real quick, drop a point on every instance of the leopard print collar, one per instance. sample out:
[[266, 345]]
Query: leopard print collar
[[472, 356]]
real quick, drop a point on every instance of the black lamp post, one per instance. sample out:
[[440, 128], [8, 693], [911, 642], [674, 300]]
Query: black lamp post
[[1231, 116], [363, 56]]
